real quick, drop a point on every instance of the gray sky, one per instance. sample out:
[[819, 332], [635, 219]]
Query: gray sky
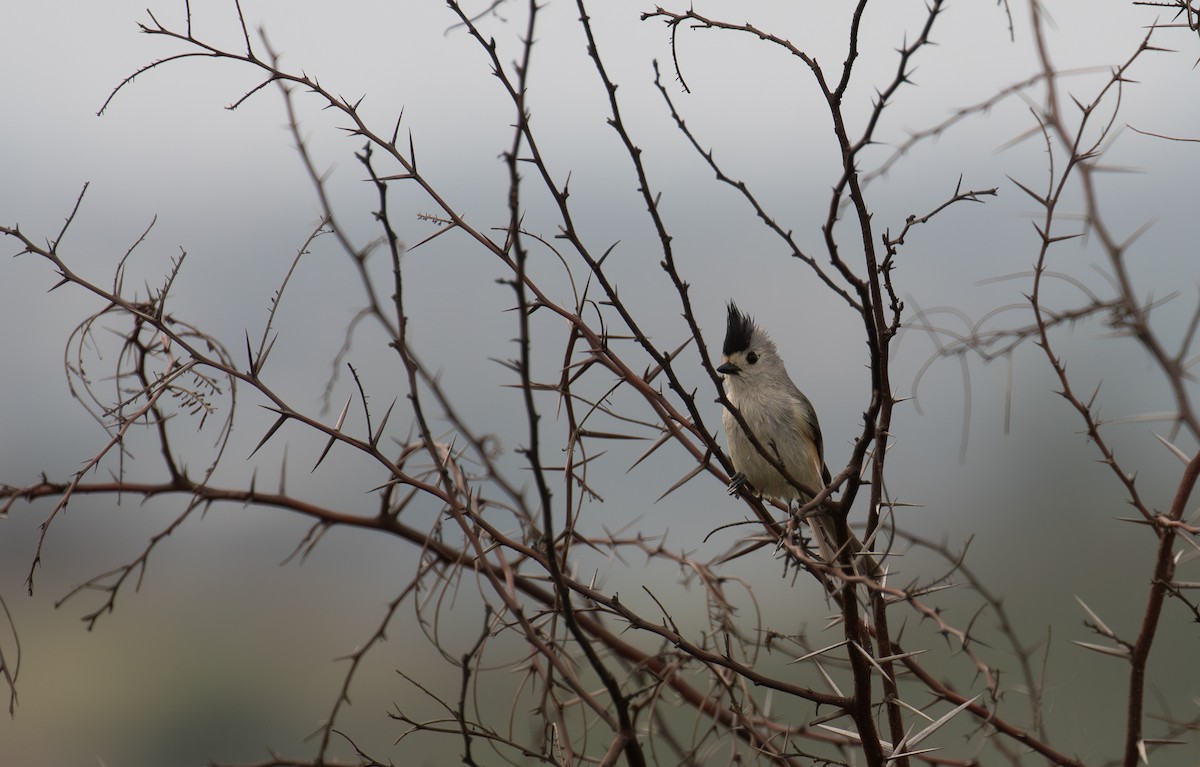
[[153, 680]]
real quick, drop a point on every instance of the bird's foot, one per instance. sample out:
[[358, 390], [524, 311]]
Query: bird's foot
[[737, 482]]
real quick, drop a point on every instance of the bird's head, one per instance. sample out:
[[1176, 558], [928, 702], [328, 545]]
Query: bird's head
[[748, 355]]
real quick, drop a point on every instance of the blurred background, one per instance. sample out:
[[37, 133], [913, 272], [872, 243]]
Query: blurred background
[[225, 651]]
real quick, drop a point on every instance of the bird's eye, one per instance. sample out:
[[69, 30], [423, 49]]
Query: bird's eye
[[752, 357]]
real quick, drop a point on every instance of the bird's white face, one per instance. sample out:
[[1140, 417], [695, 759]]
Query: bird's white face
[[749, 368], [750, 362]]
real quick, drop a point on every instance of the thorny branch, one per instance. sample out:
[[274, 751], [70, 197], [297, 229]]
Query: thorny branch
[[600, 674]]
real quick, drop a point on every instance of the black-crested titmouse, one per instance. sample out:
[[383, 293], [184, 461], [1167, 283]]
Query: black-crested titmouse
[[783, 420]]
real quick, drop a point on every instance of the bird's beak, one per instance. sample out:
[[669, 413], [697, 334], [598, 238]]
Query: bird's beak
[[729, 369]]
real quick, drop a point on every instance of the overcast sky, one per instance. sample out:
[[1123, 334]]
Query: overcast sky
[[226, 187]]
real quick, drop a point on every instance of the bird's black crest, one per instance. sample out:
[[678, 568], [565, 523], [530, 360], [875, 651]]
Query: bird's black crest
[[738, 331]]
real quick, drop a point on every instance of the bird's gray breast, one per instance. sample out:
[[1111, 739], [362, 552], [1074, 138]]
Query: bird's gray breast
[[780, 427]]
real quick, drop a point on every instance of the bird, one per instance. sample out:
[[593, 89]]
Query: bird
[[783, 420]]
